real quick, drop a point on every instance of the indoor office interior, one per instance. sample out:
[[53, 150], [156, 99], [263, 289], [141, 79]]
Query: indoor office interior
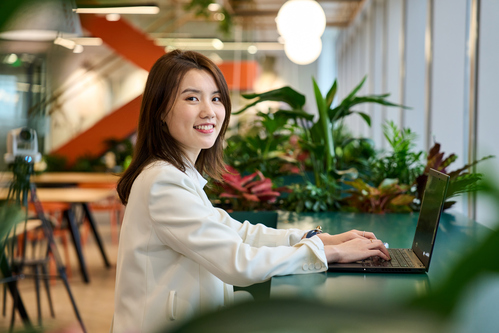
[[414, 84]]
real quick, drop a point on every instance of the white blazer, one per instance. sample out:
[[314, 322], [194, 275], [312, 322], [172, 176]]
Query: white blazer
[[178, 255]]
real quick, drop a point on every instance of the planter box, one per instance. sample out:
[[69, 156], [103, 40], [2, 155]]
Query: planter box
[[268, 218]]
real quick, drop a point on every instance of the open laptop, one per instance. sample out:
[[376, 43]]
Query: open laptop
[[416, 259]]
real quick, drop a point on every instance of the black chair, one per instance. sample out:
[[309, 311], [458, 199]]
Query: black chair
[[9, 217], [30, 258]]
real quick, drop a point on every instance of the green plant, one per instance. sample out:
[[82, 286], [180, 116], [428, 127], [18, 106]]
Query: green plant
[[462, 180], [356, 153], [317, 135], [200, 8], [268, 146], [246, 192], [121, 149], [401, 162], [308, 197]]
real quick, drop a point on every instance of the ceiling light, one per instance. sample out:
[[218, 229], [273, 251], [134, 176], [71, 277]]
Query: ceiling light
[[301, 18], [67, 43], [78, 49], [42, 21], [217, 44], [12, 58], [142, 9], [210, 44], [219, 16], [113, 17], [214, 7], [301, 24], [252, 49], [87, 41], [303, 51]]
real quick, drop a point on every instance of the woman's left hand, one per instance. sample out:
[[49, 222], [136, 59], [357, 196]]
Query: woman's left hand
[[328, 239]]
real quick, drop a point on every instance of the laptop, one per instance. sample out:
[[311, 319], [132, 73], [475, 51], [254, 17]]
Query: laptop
[[416, 259]]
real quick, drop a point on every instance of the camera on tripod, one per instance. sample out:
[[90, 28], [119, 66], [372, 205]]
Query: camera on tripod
[[22, 143]]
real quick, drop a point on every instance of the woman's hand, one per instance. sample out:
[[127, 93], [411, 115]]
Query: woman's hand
[[328, 239], [355, 249]]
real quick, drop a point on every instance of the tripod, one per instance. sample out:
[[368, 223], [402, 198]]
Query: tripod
[[23, 191]]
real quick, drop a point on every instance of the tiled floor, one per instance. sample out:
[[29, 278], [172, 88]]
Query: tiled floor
[[94, 300]]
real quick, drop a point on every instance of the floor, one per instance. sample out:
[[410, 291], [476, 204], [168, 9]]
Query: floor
[[94, 300]]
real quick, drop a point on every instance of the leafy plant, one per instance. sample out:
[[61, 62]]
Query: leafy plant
[[247, 192], [351, 152], [462, 180], [200, 8], [268, 146], [401, 162], [308, 197], [388, 197], [317, 136]]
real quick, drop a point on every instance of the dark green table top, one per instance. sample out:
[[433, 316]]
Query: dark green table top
[[456, 236]]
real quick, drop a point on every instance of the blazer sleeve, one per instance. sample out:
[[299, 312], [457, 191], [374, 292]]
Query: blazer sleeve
[[261, 235], [182, 221]]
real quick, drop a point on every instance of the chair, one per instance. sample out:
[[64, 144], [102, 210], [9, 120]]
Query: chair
[[10, 215], [54, 211], [31, 253]]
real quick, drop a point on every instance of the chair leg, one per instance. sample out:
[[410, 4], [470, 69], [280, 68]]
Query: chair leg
[[47, 288], [67, 257], [36, 272]]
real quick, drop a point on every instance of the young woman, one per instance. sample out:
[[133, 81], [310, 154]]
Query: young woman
[[179, 255]]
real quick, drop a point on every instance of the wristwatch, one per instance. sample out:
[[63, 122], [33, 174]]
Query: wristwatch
[[316, 231]]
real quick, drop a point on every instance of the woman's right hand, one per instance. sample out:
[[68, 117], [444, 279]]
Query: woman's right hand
[[356, 249]]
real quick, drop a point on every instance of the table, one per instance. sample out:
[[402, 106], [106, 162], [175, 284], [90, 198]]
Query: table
[[456, 235], [73, 196], [74, 178], [67, 177]]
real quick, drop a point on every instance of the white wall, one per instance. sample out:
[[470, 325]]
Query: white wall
[[397, 65], [488, 115]]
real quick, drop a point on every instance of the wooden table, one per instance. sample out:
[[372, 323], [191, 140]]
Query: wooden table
[[76, 178], [59, 179]]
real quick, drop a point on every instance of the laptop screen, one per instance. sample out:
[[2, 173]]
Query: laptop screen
[[429, 215]]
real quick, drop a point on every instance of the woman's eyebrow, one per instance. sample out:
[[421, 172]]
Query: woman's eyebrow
[[196, 91], [191, 90]]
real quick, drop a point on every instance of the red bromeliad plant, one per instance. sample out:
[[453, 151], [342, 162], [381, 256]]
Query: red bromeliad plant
[[249, 192]]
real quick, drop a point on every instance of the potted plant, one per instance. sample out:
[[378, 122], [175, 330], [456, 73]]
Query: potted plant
[[317, 136]]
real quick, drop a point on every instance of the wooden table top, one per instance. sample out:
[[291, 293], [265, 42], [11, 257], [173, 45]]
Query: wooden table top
[[75, 177], [68, 178], [69, 194]]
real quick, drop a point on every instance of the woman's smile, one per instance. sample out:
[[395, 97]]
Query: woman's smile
[[205, 128]]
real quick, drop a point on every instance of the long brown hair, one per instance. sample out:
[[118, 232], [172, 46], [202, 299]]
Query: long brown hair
[[154, 141]]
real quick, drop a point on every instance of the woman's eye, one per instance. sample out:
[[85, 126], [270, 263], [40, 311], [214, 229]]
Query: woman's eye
[[217, 99], [192, 98]]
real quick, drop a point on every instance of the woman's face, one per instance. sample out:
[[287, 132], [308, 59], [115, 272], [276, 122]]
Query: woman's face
[[197, 115]]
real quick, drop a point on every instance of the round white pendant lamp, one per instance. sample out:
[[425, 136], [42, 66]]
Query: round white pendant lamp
[[301, 17], [303, 51], [301, 23]]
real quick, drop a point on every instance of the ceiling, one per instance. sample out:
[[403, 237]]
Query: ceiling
[[253, 20]]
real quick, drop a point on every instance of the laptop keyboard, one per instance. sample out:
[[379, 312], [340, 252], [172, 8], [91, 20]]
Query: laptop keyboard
[[400, 258]]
